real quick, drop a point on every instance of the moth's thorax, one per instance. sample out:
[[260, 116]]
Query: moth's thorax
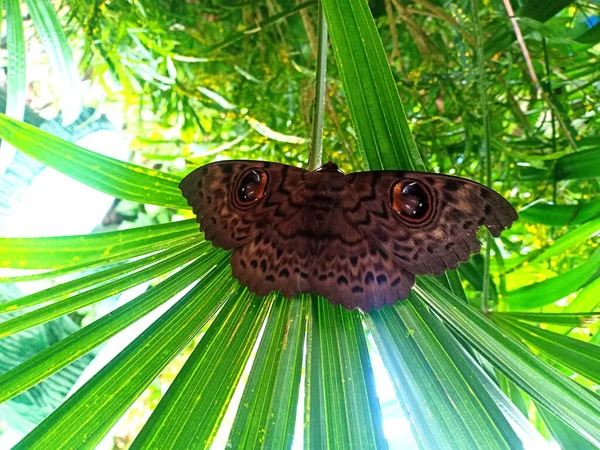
[[329, 167], [324, 190]]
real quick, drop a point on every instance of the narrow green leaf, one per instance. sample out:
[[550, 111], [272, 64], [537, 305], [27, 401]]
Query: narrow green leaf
[[543, 10], [107, 262], [68, 251], [591, 36], [548, 291], [513, 392], [577, 355], [528, 173], [574, 404], [550, 31], [260, 26], [569, 240], [83, 419], [15, 83], [57, 48], [578, 165], [566, 437], [565, 319], [588, 299], [190, 413], [117, 178], [504, 35], [91, 296], [561, 215], [341, 406], [64, 290], [267, 413], [472, 271], [377, 112], [63, 353], [431, 376]]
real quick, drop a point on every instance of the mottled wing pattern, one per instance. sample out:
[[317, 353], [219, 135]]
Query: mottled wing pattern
[[272, 263], [263, 259], [210, 189], [352, 272], [446, 234]]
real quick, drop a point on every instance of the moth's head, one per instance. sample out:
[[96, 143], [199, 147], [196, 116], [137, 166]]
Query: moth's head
[[329, 167]]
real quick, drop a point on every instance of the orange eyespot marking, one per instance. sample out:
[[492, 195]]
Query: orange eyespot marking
[[251, 187], [411, 200]]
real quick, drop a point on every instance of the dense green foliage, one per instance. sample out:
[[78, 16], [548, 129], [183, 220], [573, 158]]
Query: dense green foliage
[[198, 81]]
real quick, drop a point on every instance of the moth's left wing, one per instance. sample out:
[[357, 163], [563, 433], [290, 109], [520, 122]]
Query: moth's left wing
[[235, 201]]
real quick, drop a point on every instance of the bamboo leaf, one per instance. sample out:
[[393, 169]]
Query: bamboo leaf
[[561, 215], [578, 165], [539, 10], [548, 291], [569, 240], [591, 36], [588, 298], [71, 251], [114, 177], [258, 27], [57, 48]]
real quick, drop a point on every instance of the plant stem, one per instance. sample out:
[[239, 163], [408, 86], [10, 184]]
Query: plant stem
[[487, 139], [545, 95], [554, 146], [315, 157]]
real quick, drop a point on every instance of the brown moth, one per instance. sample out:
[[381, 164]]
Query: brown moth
[[357, 239]]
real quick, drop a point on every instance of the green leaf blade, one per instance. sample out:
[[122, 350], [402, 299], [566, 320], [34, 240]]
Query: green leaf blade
[[64, 352], [341, 406], [60, 252], [16, 92], [191, 411], [267, 411], [377, 113], [576, 406], [114, 177], [57, 48], [88, 415]]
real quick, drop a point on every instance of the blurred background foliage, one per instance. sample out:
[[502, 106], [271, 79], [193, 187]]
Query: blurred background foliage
[[201, 80]]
